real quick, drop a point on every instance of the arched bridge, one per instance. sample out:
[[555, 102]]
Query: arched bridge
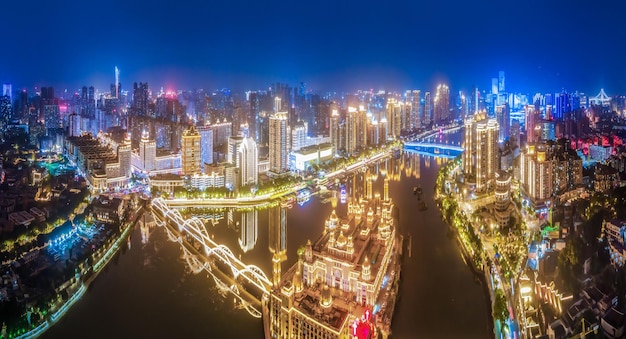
[[433, 149], [191, 233]]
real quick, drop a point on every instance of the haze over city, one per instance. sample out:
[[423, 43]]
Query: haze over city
[[330, 45]]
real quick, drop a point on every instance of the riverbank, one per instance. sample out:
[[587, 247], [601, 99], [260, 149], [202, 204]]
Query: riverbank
[[473, 259], [81, 281]]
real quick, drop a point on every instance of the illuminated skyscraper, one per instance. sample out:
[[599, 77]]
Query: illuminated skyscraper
[[140, 99], [501, 87], [279, 143], [191, 154], [147, 152], [428, 108], [298, 136], [351, 130], [441, 104], [233, 148], [504, 120], [7, 90], [206, 145], [248, 162], [124, 157], [334, 130], [531, 116], [536, 173], [52, 116], [480, 158], [394, 118]]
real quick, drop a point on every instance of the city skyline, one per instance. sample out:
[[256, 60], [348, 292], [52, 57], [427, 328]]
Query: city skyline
[[330, 46]]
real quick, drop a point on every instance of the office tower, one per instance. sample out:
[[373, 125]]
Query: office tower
[[221, 132], [504, 121], [394, 118], [277, 105], [494, 85], [52, 117], [117, 83], [7, 90], [501, 87], [147, 152], [248, 162], [140, 99], [563, 105], [428, 109], [191, 154], [383, 130], [351, 130], [206, 145], [514, 137], [279, 143], [480, 159], [124, 157], [233, 150], [415, 109], [536, 173], [298, 136], [75, 125], [441, 104], [5, 111], [334, 130], [249, 230], [530, 115]]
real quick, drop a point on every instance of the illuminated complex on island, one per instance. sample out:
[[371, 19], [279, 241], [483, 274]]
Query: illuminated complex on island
[[339, 286]]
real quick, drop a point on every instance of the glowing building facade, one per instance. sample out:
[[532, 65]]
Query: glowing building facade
[[331, 290], [191, 154]]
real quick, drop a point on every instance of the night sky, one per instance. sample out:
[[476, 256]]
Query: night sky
[[329, 44]]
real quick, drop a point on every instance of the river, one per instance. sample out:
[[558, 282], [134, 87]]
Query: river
[[147, 291]]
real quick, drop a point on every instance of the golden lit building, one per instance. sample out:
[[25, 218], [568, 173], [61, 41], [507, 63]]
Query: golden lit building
[[332, 289], [480, 158], [191, 154]]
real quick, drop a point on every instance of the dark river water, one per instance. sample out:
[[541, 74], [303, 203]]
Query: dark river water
[[149, 292]]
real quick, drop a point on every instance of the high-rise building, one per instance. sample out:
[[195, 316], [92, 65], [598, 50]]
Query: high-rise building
[[206, 145], [501, 84], [279, 143], [140, 99], [536, 173], [334, 130], [503, 116], [124, 156], [428, 109], [480, 159], [248, 162], [147, 152], [191, 154], [298, 136], [441, 104], [5, 111], [351, 130], [75, 125], [394, 118], [7, 90], [52, 116], [531, 116], [233, 148]]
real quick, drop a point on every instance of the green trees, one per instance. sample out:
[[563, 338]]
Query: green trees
[[500, 309]]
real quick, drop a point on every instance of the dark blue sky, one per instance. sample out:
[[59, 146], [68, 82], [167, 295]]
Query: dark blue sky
[[329, 44]]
